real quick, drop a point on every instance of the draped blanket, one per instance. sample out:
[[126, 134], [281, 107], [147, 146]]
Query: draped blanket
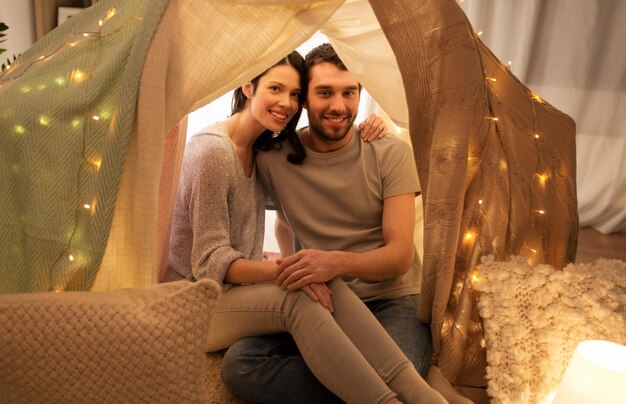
[[497, 167]]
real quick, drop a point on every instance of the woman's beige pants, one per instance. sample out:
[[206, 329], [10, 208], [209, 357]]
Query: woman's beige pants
[[348, 350]]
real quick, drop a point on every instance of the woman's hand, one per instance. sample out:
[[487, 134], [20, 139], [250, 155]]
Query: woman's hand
[[373, 128], [320, 292]]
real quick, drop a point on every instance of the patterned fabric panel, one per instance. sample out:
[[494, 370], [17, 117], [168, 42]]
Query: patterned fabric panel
[[67, 111], [130, 345]]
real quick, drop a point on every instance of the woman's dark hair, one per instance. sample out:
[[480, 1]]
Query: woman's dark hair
[[267, 140]]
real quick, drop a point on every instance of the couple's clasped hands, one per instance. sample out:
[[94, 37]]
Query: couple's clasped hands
[[308, 270]]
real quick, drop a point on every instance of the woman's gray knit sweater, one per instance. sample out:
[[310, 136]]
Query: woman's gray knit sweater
[[219, 213]]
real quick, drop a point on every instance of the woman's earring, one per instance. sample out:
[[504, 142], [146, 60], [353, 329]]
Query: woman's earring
[[275, 135]]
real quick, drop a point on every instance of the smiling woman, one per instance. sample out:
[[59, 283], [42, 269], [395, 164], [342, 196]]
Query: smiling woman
[[275, 98]]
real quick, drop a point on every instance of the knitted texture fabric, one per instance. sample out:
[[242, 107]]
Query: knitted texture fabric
[[535, 316], [131, 345], [219, 214]]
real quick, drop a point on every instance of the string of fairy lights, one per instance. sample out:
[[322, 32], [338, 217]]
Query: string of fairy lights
[[541, 176], [468, 256], [94, 161], [70, 257]]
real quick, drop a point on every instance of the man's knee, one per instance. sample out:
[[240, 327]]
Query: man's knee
[[250, 363]]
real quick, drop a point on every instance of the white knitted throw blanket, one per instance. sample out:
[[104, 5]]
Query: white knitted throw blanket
[[534, 317]]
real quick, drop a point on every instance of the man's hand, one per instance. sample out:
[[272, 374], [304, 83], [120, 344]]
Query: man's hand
[[305, 267], [320, 292], [373, 128]]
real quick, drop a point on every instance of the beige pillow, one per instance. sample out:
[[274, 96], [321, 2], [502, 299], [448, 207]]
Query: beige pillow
[[533, 318], [131, 345]]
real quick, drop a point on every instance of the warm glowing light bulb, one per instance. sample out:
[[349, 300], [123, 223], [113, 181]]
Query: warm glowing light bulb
[[492, 79], [479, 33], [493, 118], [536, 135], [474, 278], [110, 14], [71, 257], [536, 98], [469, 235], [87, 206], [76, 122], [44, 120], [78, 75], [100, 23], [541, 211], [542, 178], [104, 113], [19, 129], [509, 63], [480, 201], [95, 117], [97, 162]]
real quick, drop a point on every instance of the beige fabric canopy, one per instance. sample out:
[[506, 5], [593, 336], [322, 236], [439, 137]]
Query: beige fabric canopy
[[496, 163]]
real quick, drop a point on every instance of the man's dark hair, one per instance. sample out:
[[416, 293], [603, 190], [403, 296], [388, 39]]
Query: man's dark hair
[[323, 53]]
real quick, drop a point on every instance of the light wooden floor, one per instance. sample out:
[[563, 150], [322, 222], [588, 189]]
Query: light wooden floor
[[593, 245]]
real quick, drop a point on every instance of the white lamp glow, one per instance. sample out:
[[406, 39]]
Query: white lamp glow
[[596, 374]]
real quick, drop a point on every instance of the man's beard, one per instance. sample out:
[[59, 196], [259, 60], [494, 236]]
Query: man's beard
[[317, 128]]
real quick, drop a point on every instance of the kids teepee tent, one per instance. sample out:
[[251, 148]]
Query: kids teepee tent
[[89, 160]]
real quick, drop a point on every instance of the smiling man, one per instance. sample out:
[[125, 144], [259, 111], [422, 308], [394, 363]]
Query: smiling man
[[351, 208], [332, 106]]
